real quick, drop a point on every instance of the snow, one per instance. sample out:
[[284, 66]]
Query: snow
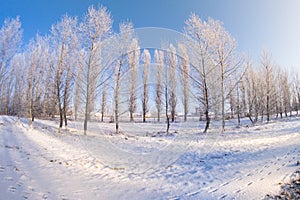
[[242, 163]]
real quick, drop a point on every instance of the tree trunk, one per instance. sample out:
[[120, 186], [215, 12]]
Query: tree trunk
[[268, 108], [223, 97], [117, 97], [103, 102], [167, 108], [59, 108], [206, 109]]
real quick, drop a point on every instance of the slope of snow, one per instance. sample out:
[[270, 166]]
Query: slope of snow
[[243, 163]]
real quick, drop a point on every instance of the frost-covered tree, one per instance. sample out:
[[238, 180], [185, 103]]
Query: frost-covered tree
[[49, 100], [78, 97], [146, 60], [296, 93], [224, 57], [185, 77], [172, 62], [159, 63], [123, 42], [283, 93], [95, 28], [10, 43], [19, 76], [241, 106], [269, 86], [133, 62], [167, 95], [36, 60], [103, 99], [252, 84], [199, 39], [64, 44]]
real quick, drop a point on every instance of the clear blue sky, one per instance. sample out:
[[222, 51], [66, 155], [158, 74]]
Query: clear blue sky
[[256, 24]]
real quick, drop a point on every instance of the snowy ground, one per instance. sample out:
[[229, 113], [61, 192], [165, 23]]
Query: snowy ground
[[243, 163]]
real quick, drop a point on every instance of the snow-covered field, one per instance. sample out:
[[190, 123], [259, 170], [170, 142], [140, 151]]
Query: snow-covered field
[[244, 163]]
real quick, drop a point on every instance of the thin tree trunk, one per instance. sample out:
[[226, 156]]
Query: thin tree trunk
[[103, 103], [223, 97], [167, 108], [268, 107], [117, 97], [238, 107], [59, 107], [206, 111], [144, 103]]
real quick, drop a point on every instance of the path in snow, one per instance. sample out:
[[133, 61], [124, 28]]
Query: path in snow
[[245, 163]]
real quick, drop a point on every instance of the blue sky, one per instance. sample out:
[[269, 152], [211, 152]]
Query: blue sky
[[273, 25]]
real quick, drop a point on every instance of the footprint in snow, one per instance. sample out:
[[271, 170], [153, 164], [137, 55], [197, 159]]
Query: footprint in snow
[[269, 173], [250, 183], [8, 179], [31, 188], [2, 169], [261, 179], [20, 184], [214, 190], [63, 197], [12, 189], [223, 196], [250, 174], [224, 184], [26, 195], [238, 191]]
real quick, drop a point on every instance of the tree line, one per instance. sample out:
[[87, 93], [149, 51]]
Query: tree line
[[83, 67]]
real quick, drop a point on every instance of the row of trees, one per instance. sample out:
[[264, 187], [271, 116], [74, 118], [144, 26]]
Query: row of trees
[[83, 66]]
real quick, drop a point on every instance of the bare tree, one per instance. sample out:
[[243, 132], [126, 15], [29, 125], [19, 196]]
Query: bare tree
[[146, 60]]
